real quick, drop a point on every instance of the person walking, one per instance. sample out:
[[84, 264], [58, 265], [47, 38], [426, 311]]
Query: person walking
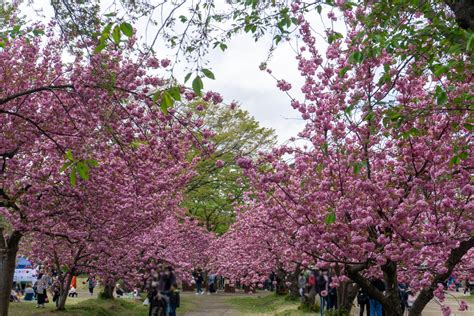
[[375, 306], [198, 279], [41, 287], [466, 286], [91, 284], [302, 284], [211, 280], [56, 291], [363, 302], [158, 304], [174, 300], [323, 290]]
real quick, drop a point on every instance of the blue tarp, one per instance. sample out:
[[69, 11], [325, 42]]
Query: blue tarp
[[23, 263]]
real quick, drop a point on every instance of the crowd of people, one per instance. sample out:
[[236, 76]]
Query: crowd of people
[[163, 296], [319, 282], [46, 282]]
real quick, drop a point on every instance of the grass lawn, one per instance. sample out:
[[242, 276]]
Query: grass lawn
[[84, 307], [270, 304]]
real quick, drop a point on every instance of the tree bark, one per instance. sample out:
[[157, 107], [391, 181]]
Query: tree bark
[[294, 292], [64, 291], [108, 291], [427, 293], [463, 11], [346, 294], [8, 251], [390, 303]]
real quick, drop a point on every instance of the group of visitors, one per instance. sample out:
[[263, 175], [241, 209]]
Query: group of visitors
[[163, 295], [319, 282], [46, 282], [213, 282]]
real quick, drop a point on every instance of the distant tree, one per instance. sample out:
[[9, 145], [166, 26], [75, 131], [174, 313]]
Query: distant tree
[[218, 184]]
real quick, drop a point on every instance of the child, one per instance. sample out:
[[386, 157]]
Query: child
[[158, 305], [174, 299]]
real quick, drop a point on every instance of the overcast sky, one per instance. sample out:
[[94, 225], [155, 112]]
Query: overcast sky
[[238, 76]]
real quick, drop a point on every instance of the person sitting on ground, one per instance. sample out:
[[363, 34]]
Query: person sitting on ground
[[14, 296], [118, 290], [174, 299], [29, 293], [72, 292]]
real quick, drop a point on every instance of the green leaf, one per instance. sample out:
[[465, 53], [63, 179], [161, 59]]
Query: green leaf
[[208, 74], [356, 168], [319, 9], [455, 160], [166, 102], [116, 35], [470, 42], [197, 85], [126, 29], [186, 78], [92, 163], [106, 31], [441, 96], [356, 57], [72, 176], [65, 166], [343, 71], [83, 170], [156, 96], [330, 218], [175, 93], [468, 126], [100, 47], [464, 155], [69, 155]]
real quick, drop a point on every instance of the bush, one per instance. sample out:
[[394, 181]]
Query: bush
[[336, 312], [305, 307]]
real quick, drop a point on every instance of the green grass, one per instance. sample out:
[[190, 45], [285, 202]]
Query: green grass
[[468, 299], [86, 307], [267, 304]]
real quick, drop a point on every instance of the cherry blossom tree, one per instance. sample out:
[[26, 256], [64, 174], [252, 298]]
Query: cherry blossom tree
[[383, 188], [87, 153]]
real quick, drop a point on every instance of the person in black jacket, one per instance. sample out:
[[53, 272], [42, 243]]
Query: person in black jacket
[[157, 304], [323, 290], [198, 279], [174, 300], [363, 302]]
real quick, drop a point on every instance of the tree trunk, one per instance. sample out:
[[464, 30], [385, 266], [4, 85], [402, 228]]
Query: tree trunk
[[427, 293], [281, 288], [294, 292], [309, 300], [64, 291], [108, 291], [464, 12], [346, 294], [392, 294], [8, 251]]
